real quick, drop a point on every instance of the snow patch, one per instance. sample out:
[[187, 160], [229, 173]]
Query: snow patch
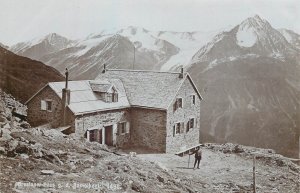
[[246, 37], [287, 35]]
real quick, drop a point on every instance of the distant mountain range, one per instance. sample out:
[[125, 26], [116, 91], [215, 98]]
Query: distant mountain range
[[161, 50], [249, 74]]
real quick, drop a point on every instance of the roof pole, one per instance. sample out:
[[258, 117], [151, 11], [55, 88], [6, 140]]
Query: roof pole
[[133, 57], [67, 77]]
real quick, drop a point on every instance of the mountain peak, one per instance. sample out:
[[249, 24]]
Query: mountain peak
[[254, 22]]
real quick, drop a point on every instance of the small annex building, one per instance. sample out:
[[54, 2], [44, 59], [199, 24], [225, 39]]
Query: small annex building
[[124, 108]]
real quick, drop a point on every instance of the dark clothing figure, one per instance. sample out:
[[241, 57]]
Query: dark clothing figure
[[198, 156]]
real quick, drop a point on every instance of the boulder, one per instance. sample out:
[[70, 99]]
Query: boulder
[[5, 135], [24, 156], [36, 150], [6, 126], [25, 125], [47, 172], [12, 145], [22, 148], [2, 150], [3, 118]]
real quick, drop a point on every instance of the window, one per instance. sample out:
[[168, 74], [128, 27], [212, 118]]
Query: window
[[178, 104], [46, 105], [190, 124], [112, 97], [193, 99], [93, 135], [178, 128], [108, 97], [115, 97], [49, 105], [123, 128]]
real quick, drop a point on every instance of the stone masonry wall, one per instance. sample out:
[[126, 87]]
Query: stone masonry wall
[[36, 116], [184, 139], [148, 129], [101, 119]]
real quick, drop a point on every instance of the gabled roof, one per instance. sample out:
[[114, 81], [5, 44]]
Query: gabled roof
[[148, 88], [84, 100], [101, 86]]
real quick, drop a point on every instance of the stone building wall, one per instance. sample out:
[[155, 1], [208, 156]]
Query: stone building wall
[[184, 139], [148, 129], [99, 120], [36, 116]]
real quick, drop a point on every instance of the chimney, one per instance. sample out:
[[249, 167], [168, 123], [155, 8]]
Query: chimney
[[181, 73], [65, 98], [104, 68]]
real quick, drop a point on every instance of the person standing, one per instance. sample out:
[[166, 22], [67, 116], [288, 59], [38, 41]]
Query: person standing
[[198, 157]]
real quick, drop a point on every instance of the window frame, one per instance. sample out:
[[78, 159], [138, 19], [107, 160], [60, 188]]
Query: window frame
[[47, 105], [93, 135], [49, 101], [178, 128], [176, 104], [181, 104], [115, 97], [190, 127], [122, 128]]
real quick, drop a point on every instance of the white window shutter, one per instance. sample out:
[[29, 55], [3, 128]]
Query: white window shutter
[[182, 127], [119, 129], [43, 105], [127, 127]]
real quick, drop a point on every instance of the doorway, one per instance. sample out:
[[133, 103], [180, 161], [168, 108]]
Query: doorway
[[108, 135]]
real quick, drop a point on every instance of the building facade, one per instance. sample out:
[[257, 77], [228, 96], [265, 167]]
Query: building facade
[[154, 110]]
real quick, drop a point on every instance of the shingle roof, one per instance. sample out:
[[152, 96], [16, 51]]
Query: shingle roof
[[100, 86], [84, 100], [148, 88]]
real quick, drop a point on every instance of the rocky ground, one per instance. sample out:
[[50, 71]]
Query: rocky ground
[[45, 160]]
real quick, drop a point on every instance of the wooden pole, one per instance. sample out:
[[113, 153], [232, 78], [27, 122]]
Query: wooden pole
[[133, 57], [254, 183], [189, 161]]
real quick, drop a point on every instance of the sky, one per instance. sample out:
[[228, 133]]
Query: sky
[[22, 20]]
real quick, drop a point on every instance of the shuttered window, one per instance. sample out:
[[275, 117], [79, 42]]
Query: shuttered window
[[178, 104], [115, 97], [178, 128], [49, 105], [46, 105], [190, 124], [93, 135], [123, 128]]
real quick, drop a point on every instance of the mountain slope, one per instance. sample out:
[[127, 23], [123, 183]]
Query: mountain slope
[[3, 46], [292, 37], [22, 77], [39, 47], [86, 58], [250, 77]]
